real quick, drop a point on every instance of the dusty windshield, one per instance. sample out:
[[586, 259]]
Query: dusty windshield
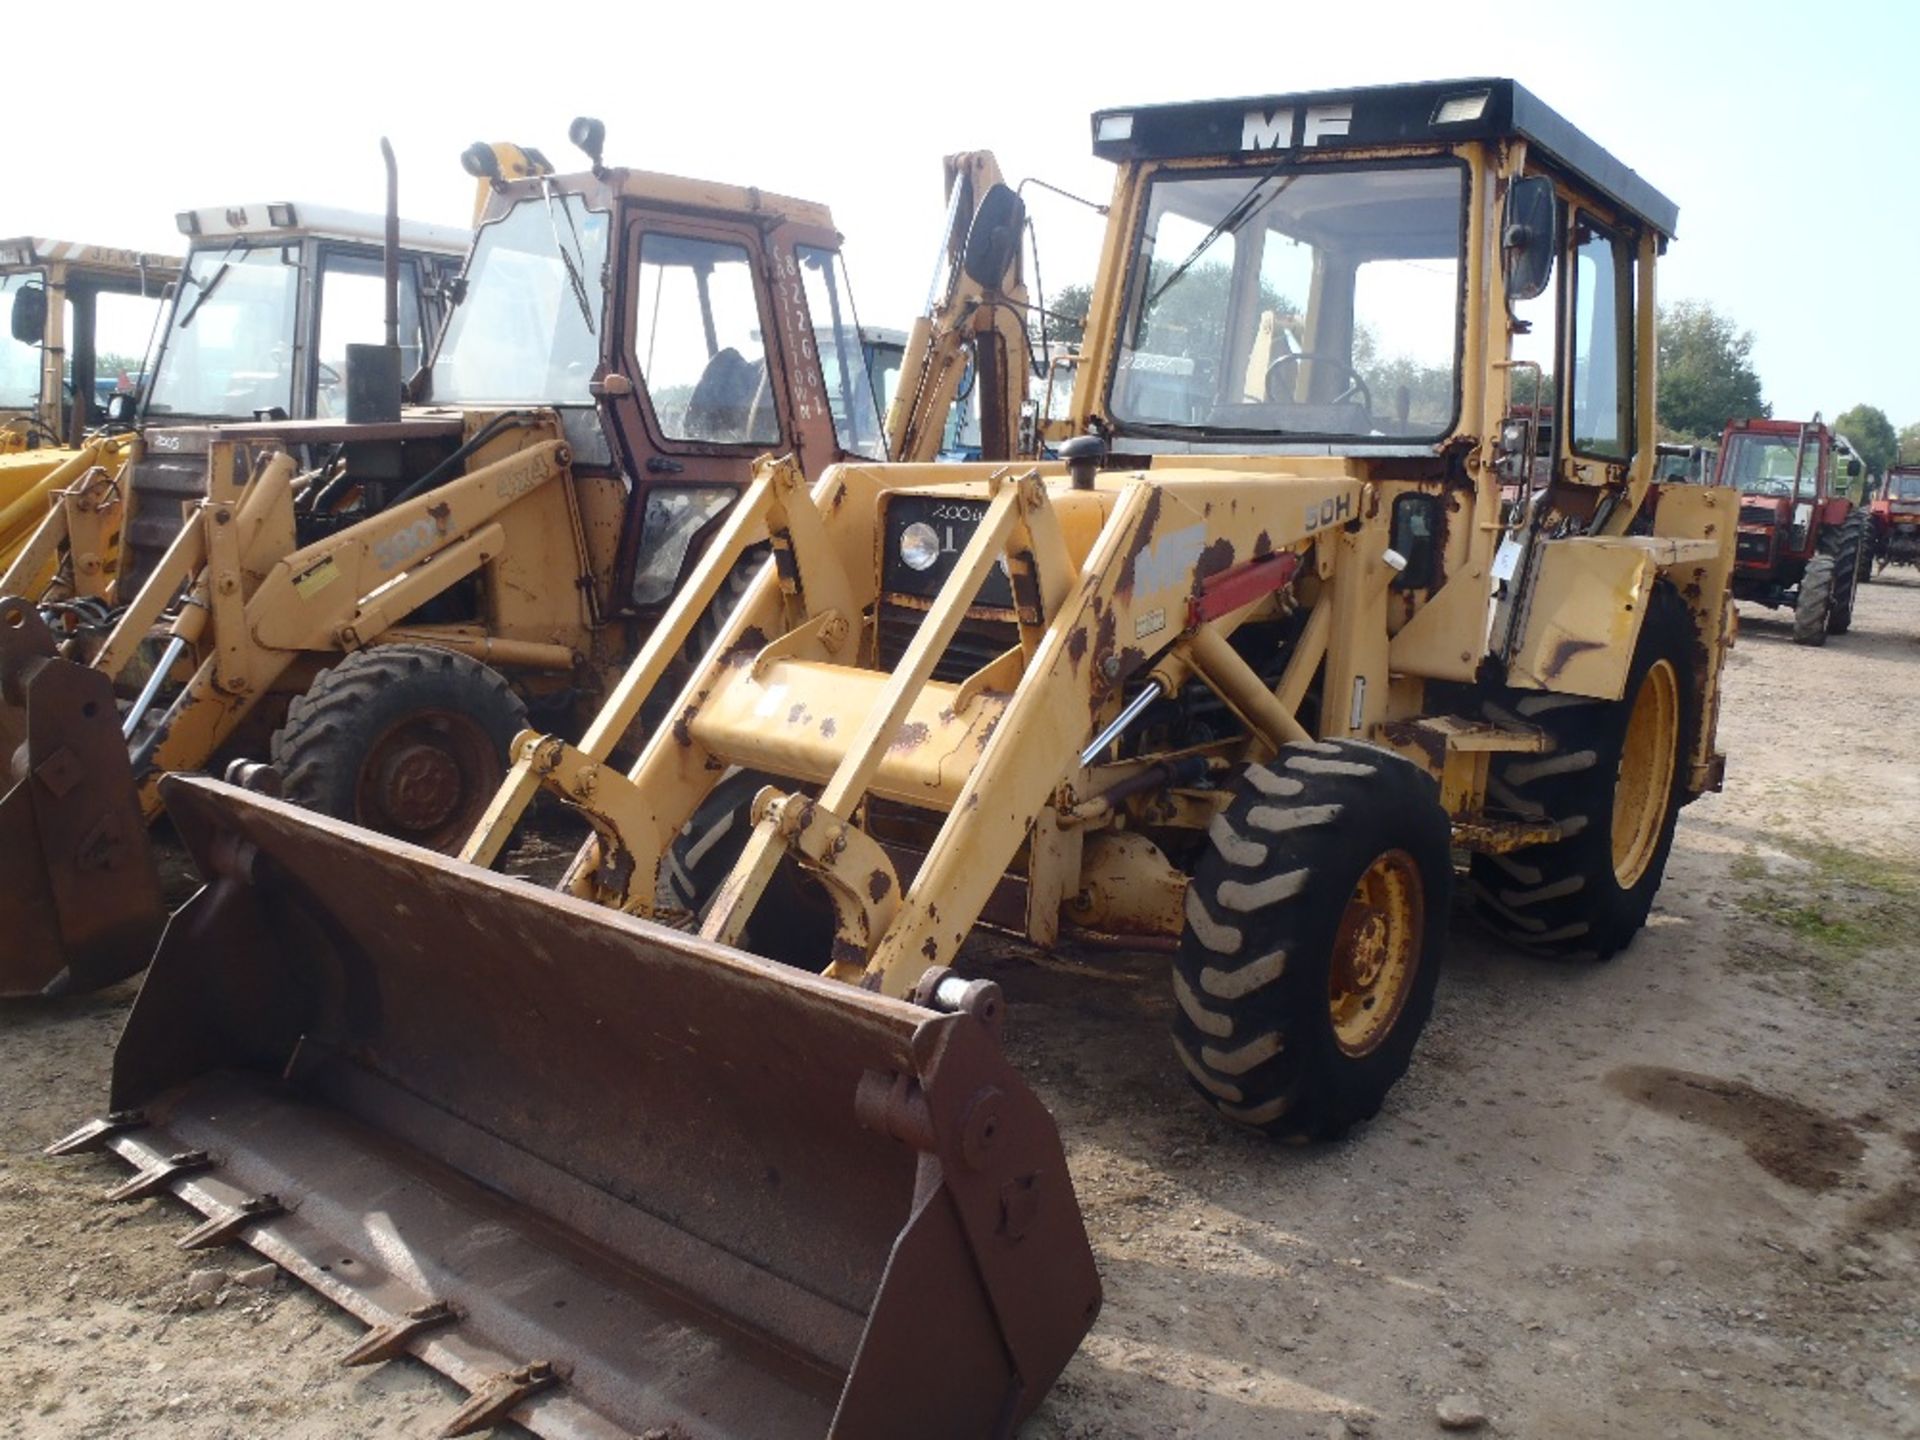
[[1768, 465], [1297, 303], [527, 329], [1904, 487], [229, 345], [19, 362]]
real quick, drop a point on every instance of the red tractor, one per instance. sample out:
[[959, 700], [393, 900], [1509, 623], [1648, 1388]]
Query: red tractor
[[1896, 518], [1803, 541]]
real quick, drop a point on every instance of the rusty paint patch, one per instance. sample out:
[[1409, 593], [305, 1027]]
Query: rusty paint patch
[[931, 949], [1411, 735], [828, 727], [683, 729], [1564, 653], [751, 642], [878, 884], [1262, 545], [845, 952], [1077, 646], [1143, 542], [910, 736], [441, 513], [798, 715], [1216, 557]]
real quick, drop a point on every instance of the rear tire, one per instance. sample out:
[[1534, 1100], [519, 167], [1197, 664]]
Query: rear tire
[[1614, 777], [1813, 606], [794, 921], [409, 740], [1316, 923], [1848, 548]]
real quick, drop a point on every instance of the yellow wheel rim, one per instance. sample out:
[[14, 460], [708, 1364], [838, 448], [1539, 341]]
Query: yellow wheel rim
[[1375, 952], [1645, 783]]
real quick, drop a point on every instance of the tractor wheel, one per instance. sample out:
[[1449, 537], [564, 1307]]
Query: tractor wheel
[[703, 855], [1316, 921], [1813, 608], [1614, 777], [1848, 548], [409, 740]]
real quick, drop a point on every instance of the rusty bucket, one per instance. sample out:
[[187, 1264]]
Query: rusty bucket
[[80, 901], [610, 1178]]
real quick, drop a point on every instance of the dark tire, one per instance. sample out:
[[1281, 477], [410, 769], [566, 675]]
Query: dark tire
[[1333, 858], [1813, 607], [793, 922], [1848, 547], [1587, 894], [409, 740]]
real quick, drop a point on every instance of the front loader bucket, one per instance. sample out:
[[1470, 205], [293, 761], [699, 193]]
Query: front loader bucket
[[80, 901], [610, 1178]]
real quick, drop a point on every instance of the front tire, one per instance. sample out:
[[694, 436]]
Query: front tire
[[1316, 922], [1813, 606], [1613, 777], [409, 740], [1849, 547]]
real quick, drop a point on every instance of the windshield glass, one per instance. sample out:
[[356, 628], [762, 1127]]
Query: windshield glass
[[1904, 487], [843, 363], [229, 345], [1322, 302], [521, 335], [19, 363], [1767, 464]]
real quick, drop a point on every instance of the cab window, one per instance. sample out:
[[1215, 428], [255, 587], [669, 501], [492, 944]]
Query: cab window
[[1602, 360], [700, 343], [353, 311]]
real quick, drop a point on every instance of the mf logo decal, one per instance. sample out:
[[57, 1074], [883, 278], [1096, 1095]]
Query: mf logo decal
[[1334, 510], [1287, 129], [1169, 561]]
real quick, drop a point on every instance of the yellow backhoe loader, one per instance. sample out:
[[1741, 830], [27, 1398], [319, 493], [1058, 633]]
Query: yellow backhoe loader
[[381, 619], [1245, 672], [80, 319]]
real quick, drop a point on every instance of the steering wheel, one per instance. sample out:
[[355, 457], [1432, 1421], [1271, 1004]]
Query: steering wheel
[[328, 376], [1355, 387]]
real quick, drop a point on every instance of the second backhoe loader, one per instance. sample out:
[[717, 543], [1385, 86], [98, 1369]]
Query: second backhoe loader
[[381, 622], [1244, 671]]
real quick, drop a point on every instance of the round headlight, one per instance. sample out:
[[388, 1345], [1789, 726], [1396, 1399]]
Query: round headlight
[[919, 546]]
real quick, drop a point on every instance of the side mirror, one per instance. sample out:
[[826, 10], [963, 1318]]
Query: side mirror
[[120, 407], [1530, 236], [1853, 469], [590, 137], [29, 320], [993, 240]]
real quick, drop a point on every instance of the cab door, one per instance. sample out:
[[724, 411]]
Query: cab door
[[708, 395]]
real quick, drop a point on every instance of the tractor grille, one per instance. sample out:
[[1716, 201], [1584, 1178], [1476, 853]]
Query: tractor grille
[[1755, 548], [1759, 515], [981, 639]]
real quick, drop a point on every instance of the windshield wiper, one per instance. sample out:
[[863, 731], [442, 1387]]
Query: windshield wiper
[[1229, 224], [578, 285], [207, 287]]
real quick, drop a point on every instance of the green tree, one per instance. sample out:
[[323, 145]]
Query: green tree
[[1706, 372], [1872, 435], [1910, 444]]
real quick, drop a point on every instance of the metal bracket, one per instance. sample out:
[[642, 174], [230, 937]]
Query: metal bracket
[[502, 1395], [224, 1229], [396, 1337], [857, 874]]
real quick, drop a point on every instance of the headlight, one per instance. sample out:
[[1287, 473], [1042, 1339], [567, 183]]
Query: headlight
[[919, 546]]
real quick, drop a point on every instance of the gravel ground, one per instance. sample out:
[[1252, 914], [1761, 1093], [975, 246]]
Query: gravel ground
[[1677, 1194]]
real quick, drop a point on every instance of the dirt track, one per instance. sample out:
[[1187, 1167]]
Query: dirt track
[[1674, 1195]]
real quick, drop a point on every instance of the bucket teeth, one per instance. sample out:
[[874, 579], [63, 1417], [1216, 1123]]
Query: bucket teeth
[[491, 1404], [221, 1229], [95, 1133], [162, 1176], [383, 1342]]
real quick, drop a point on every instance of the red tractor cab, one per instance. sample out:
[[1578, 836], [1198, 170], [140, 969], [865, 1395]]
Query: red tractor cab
[[1803, 540], [1896, 518]]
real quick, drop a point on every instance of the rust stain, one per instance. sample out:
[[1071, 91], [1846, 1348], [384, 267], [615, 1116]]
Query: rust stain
[[878, 884], [931, 949], [798, 714], [1564, 653], [828, 727], [441, 513], [1406, 734], [1262, 545], [683, 729], [1077, 646], [1216, 557], [910, 736], [845, 952]]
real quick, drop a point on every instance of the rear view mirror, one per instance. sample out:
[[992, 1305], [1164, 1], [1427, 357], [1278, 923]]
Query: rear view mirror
[[1853, 469], [30, 314], [120, 407], [993, 240], [1530, 236]]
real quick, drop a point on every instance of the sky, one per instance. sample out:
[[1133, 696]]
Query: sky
[[1787, 133]]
